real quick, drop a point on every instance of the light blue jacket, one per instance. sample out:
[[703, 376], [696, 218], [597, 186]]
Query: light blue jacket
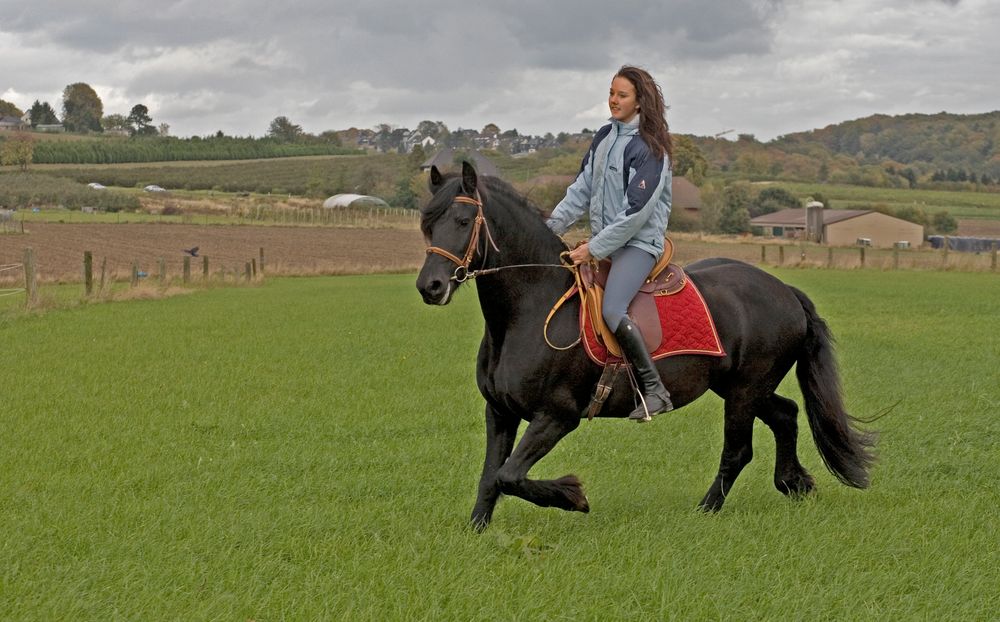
[[625, 188]]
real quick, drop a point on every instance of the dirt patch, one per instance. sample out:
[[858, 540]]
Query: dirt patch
[[979, 228], [59, 248]]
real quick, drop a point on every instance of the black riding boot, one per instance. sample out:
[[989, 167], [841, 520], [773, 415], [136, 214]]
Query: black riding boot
[[655, 396]]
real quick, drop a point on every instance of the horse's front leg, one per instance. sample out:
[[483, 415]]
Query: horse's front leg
[[501, 429], [539, 438]]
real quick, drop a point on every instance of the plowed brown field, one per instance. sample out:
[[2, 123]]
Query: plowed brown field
[[59, 248]]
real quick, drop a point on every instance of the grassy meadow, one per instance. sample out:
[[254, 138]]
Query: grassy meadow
[[310, 448]]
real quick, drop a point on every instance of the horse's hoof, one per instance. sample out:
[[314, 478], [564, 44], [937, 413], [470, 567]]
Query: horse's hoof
[[796, 486], [479, 523]]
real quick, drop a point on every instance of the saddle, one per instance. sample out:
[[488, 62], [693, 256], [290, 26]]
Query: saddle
[[665, 279]]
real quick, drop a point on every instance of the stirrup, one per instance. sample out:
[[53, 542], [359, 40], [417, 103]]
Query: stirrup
[[642, 413]]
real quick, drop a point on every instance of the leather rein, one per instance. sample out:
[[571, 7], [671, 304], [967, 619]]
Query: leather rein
[[462, 272]]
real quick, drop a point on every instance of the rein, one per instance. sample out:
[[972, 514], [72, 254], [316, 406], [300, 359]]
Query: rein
[[463, 274]]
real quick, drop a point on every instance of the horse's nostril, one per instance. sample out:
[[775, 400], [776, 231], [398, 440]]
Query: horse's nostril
[[435, 287]]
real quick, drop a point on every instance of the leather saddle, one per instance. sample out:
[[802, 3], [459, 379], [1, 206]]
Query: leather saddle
[[664, 279]]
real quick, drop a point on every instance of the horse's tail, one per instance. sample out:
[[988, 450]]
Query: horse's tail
[[846, 451]]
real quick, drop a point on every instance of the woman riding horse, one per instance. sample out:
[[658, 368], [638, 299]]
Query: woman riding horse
[[624, 181]]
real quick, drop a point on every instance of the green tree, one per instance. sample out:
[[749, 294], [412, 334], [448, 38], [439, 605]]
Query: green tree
[[912, 214], [772, 199], [9, 109], [18, 150], [943, 222], [284, 130], [42, 114], [416, 157], [139, 121], [82, 108], [824, 171], [735, 214], [115, 122], [405, 197], [330, 137], [688, 159]]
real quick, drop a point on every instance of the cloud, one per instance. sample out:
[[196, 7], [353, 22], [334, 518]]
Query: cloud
[[765, 66]]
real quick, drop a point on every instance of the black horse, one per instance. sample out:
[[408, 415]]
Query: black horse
[[483, 228]]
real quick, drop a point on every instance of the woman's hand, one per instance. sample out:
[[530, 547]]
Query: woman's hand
[[581, 254]]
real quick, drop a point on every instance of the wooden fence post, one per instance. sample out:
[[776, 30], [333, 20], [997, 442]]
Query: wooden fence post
[[187, 269], [253, 268], [163, 271], [30, 279], [104, 273], [261, 264], [862, 251], [781, 255], [204, 267], [88, 273], [247, 272], [829, 257], [763, 253], [895, 257], [135, 274]]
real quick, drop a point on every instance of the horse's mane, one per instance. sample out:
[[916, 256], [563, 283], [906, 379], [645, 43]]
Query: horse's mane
[[490, 189]]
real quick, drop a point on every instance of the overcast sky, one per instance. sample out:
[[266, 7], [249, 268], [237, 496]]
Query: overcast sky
[[762, 67]]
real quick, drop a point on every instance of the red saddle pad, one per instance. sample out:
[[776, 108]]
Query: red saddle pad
[[687, 328]]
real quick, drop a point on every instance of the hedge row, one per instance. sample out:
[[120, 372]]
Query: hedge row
[[166, 149], [25, 190]]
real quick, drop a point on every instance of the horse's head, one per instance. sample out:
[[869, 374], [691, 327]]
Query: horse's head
[[452, 222]]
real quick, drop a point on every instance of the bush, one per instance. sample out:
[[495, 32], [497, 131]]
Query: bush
[[23, 190]]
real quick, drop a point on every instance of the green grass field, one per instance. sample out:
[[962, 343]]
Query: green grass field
[[309, 449]]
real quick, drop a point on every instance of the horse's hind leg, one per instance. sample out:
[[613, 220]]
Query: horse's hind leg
[[539, 438], [737, 452], [501, 430], [779, 414]]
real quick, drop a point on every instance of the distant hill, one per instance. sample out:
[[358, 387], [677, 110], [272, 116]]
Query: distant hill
[[925, 141], [880, 150]]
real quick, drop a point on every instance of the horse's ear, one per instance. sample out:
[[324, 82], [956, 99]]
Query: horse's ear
[[469, 179], [436, 179]]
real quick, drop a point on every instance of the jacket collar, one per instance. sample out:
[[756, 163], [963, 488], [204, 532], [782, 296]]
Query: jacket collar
[[625, 129]]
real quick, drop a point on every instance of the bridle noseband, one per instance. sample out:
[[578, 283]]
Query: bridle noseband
[[462, 265]]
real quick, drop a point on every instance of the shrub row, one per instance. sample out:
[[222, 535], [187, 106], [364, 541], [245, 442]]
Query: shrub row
[[25, 190], [165, 149], [317, 178]]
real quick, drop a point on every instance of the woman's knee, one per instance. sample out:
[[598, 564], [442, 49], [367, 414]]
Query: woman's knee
[[613, 315]]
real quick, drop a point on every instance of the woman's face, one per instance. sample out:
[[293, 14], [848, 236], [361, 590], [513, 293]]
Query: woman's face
[[621, 99]]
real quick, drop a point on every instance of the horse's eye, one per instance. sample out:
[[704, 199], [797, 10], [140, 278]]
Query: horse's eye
[[464, 221]]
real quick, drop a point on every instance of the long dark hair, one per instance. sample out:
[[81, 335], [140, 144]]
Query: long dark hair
[[652, 111]]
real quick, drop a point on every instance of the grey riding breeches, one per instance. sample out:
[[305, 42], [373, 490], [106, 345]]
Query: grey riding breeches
[[629, 268]]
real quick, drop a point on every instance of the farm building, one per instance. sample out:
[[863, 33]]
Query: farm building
[[353, 200], [841, 227], [10, 122], [445, 161]]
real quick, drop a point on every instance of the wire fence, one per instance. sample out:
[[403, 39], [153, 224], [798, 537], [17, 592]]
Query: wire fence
[[6, 271]]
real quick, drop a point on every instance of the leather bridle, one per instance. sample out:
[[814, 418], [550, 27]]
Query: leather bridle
[[462, 272], [462, 265]]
